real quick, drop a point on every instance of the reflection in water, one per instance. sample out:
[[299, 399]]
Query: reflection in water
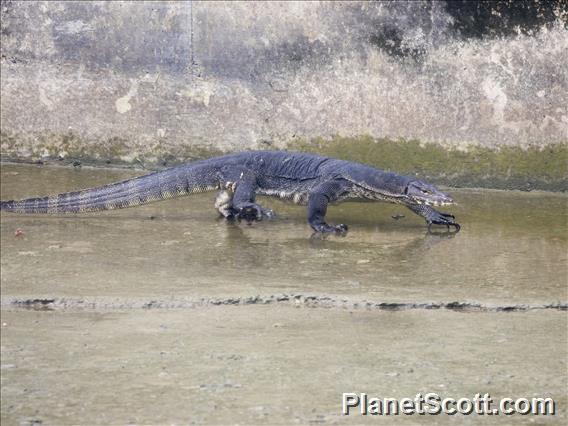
[[512, 248]]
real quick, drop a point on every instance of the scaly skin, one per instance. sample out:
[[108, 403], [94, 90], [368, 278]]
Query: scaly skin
[[304, 179]]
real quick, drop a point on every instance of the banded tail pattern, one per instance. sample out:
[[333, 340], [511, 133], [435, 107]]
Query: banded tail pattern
[[181, 180]]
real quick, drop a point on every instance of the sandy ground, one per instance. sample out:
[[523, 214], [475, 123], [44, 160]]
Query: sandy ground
[[260, 364]]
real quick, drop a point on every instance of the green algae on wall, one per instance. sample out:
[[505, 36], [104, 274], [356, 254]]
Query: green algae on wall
[[509, 167]]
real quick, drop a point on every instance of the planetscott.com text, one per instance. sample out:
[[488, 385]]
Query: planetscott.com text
[[434, 404]]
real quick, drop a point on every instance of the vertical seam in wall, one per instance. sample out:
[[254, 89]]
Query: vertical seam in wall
[[191, 39]]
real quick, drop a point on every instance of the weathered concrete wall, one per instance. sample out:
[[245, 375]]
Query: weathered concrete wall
[[168, 81]]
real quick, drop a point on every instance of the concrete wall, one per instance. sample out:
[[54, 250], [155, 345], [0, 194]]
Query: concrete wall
[[158, 82]]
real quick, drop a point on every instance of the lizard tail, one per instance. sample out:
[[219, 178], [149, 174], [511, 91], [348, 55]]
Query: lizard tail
[[128, 193]]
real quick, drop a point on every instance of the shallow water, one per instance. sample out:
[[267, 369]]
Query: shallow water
[[512, 248], [96, 352]]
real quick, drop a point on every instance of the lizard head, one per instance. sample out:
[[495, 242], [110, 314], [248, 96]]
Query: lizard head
[[423, 193]]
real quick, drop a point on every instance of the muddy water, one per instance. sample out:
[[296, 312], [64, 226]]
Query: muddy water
[[98, 355], [511, 250]]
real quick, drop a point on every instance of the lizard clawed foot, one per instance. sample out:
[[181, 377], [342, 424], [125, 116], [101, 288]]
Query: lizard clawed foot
[[249, 212], [324, 228], [438, 218], [434, 217]]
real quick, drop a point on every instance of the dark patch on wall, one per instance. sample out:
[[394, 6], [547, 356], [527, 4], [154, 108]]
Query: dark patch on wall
[[439, 22], [137, 37], [162, 44], [289, 56], [478, 19], [239, 51], [406, 29], [123, 36], [6, 9], [390, 40]]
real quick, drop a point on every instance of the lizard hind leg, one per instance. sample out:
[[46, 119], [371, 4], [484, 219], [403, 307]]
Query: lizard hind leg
[[224, 205]]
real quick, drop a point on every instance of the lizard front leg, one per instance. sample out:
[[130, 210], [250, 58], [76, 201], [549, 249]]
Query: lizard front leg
[[434, 217], [318, 200]]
